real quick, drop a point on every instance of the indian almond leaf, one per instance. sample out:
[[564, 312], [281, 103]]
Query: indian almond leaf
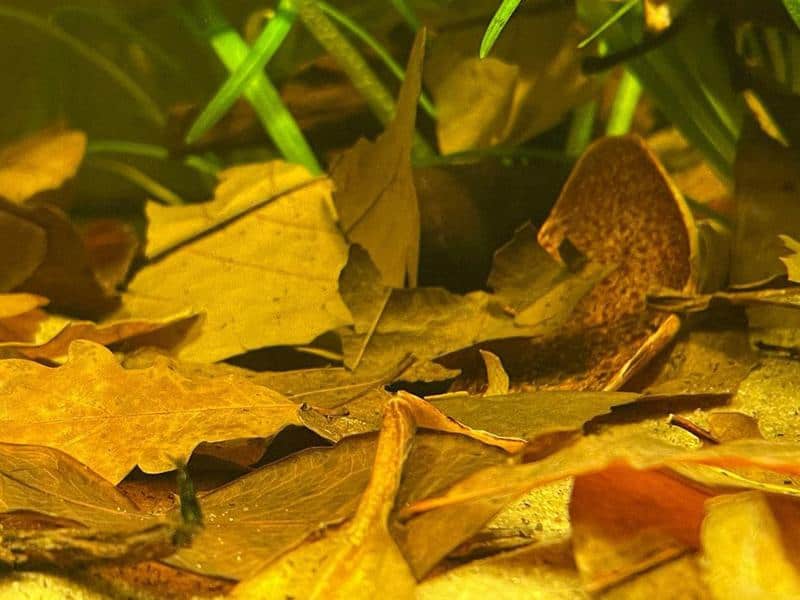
[[625, 522], [375, 194], [38, 335], [270, 239], [254, 520], [41, 162], [549, 569], [86, 406], [431, 322], [593, 453], [64, 271], [529, 415], [766, 174], [639, 223], [749, 548], [529, 83], [667, 300], [360, 559]]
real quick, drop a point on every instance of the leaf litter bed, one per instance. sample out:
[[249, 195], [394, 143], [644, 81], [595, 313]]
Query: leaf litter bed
[[603, 418]]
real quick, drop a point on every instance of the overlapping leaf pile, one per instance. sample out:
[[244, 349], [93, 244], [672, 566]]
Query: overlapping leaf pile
[[613, 425]]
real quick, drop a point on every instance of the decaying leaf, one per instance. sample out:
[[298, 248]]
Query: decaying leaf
[[38, 335], [261, 260], [112, 245], [86, 406], [252, 521], [496, 376], [625, 522], [23, 248], [618, 208], [375, 193], [40, 162], [539, 572], [750, 546], [63, 270], [360, 559], [529, 415], [430, 322]]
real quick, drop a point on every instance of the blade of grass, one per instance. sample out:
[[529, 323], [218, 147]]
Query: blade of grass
[[138, 178], [496, 25], [381, 52], [624, 107], [793, 8], [260, 53], [194, 161], [408, 14], [621, 12], [581, 128], [356, 68], [148, 107], [232, 50], [117, 23]]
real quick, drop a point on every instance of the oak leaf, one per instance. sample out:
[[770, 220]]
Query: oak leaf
[[86, 406]]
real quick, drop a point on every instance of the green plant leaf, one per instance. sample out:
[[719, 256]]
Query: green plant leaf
[[793, 8], [496, 25]]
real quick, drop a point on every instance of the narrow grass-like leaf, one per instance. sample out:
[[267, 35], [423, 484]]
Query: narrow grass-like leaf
[[408, 14], [257, 58], [381, 52], [624, 107], [146, 104], [581, 128], [232, 50], [496, 25], [112, 20], [793, 8], [138, 178], [621, 12], [198, 163]]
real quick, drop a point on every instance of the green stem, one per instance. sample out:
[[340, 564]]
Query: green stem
[[620, 12], [381, 52], [147, 105], [232, 50], [581, 128], [624, 108], [264, 48]]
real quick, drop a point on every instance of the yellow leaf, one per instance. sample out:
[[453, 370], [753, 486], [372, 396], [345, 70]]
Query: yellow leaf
[[261, 261], [540, 572], [750, 547], [496, 376], [359, 560], [532, 78], [113, 419], [40, 162], [13, 305], [375, 192]]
